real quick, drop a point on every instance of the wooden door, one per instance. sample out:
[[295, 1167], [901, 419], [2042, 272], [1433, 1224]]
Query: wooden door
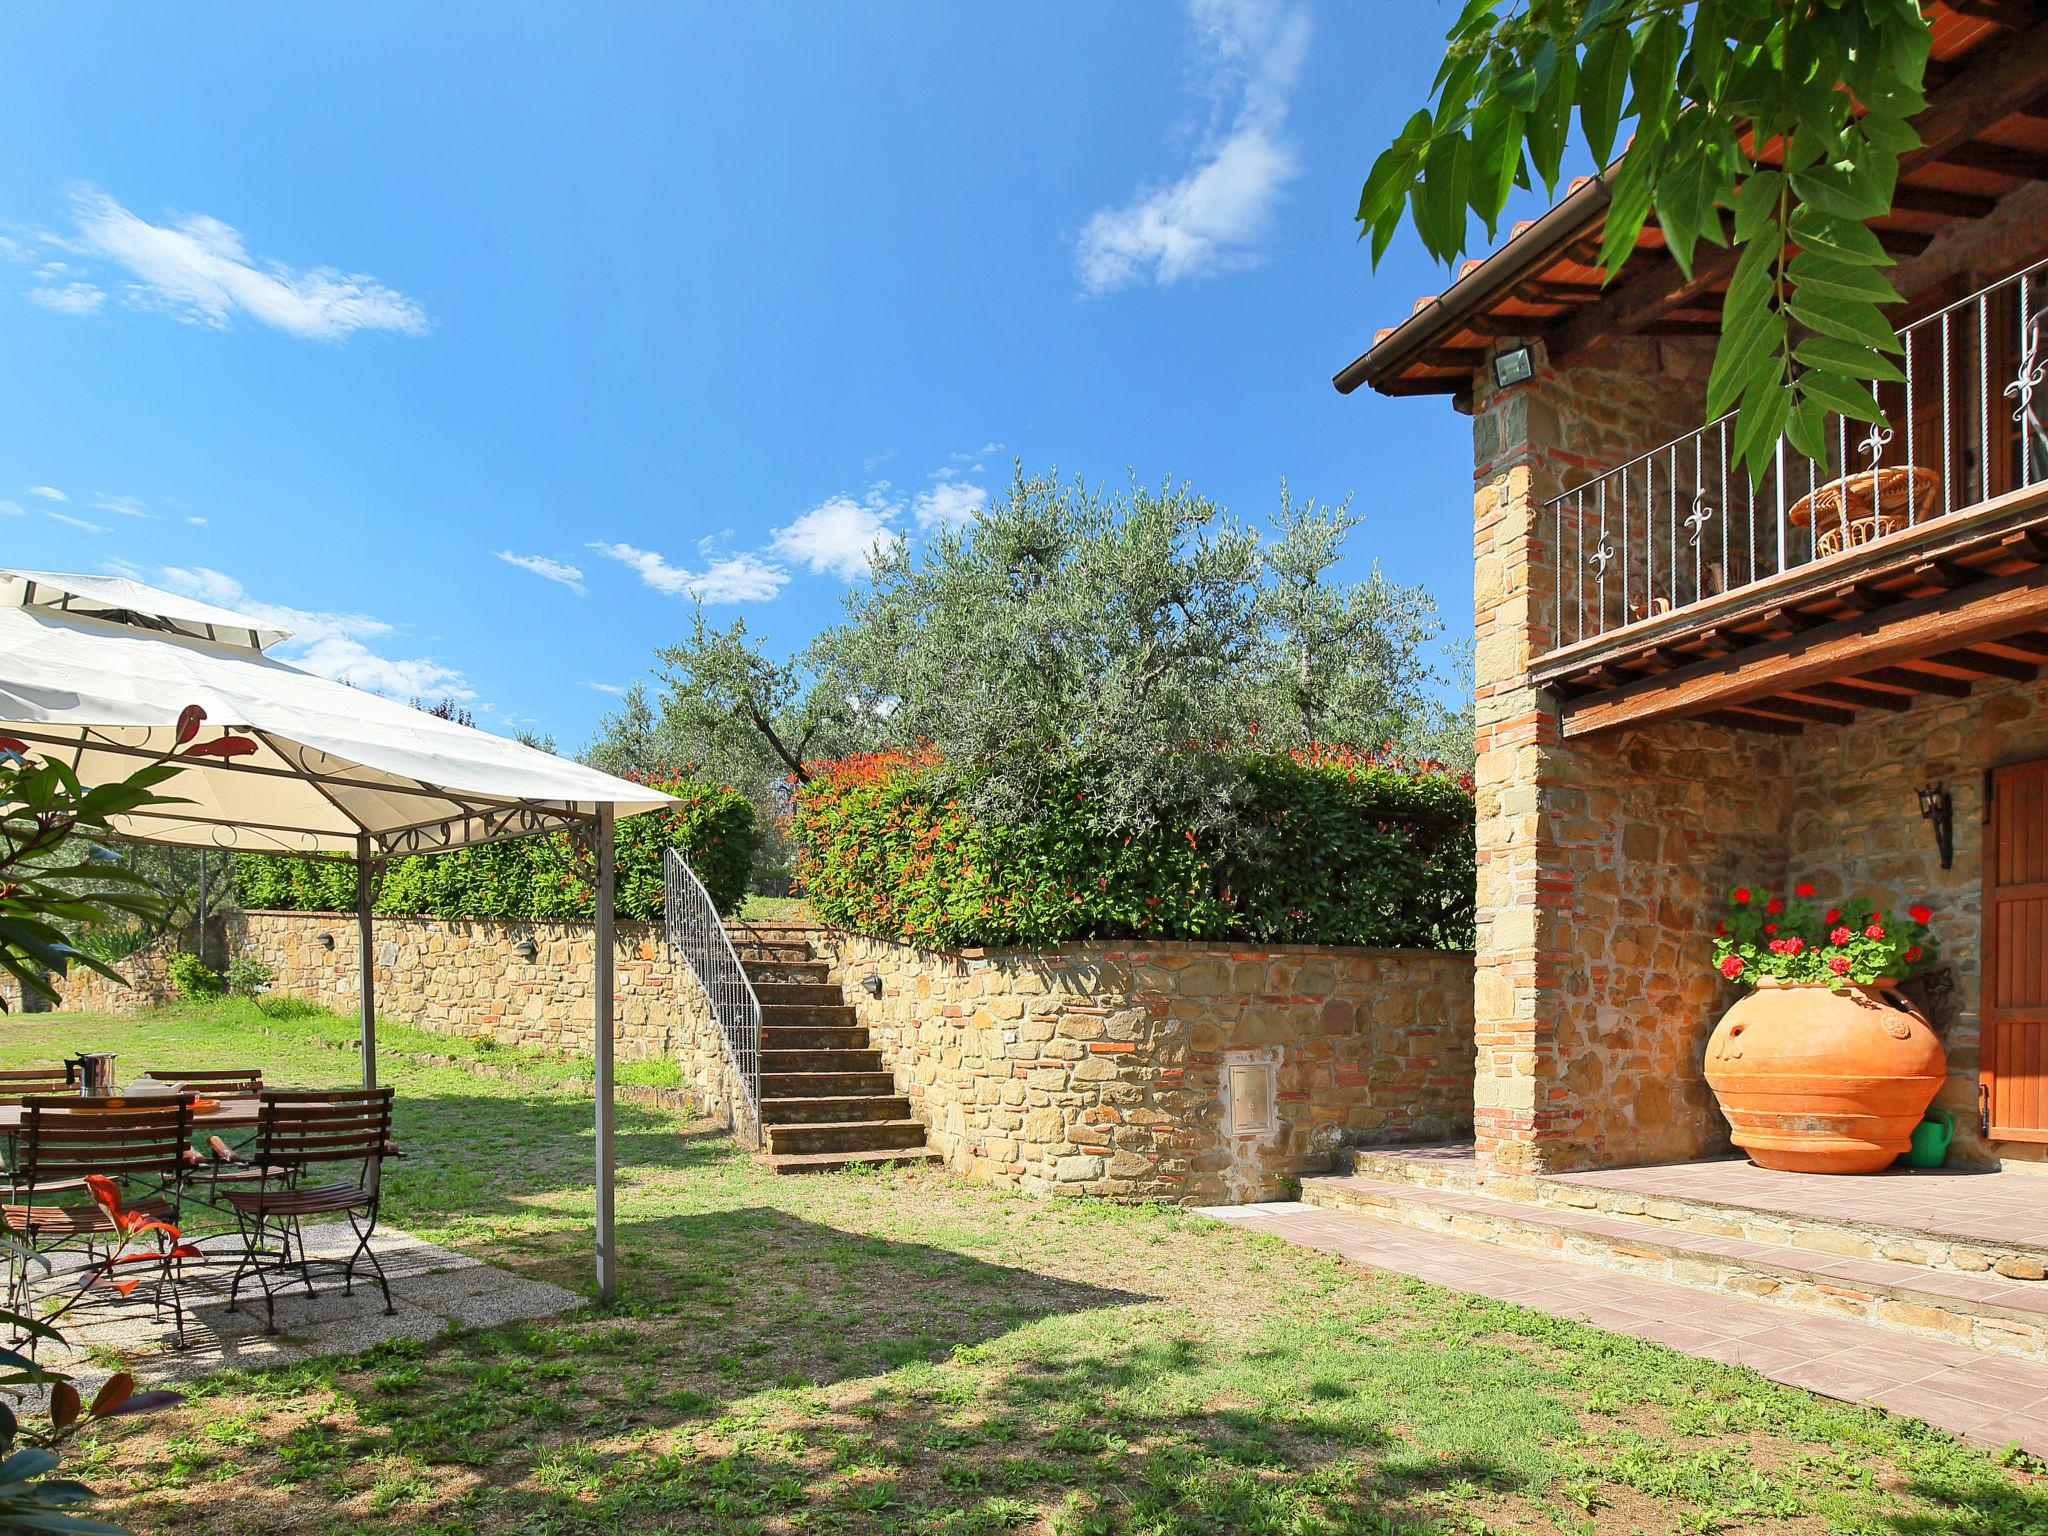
[[2015, 955]]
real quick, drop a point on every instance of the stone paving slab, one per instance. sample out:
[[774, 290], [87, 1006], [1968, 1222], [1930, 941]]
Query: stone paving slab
[[433, 1289], [1991, 1398]]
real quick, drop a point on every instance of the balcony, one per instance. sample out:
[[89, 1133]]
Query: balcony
[[1909, 562]]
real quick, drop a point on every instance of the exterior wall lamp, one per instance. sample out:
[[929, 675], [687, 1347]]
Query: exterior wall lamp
[[872, 985], [327, 941], [525, 949], [1937, 806], [1514, 366]]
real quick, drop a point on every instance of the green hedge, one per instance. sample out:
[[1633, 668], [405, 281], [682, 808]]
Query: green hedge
[[530, 877], [1328, 847]]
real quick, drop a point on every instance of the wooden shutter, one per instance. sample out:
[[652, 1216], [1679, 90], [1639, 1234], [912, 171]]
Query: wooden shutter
[[2014, 1011]]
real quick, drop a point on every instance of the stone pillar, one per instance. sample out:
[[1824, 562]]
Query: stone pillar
[[1516, 1078]]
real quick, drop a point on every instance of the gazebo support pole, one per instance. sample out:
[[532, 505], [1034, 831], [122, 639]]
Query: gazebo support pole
[[607, 1237], [366, 982], [366, 960]]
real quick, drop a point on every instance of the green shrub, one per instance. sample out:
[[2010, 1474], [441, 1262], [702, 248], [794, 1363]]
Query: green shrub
[[1326, 847], [531, 877], [246, 976], [191, 978]]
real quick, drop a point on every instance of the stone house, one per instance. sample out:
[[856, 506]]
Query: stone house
[[1688, 680]]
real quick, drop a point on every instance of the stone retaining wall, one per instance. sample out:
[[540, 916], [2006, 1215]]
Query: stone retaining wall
[[1179, 1071], [1182, 1071]]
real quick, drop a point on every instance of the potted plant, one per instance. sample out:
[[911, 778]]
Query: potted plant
[[1821, 1067]]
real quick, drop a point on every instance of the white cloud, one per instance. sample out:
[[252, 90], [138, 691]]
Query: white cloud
[[331, 644], [126, 506], [196, 269], [612, 688], [48, 493], [75, 522], [840, 535], [196, 522], [12, 509], [742, 578], [1213, 217], [548, 570], [73, 298], [949, 504]]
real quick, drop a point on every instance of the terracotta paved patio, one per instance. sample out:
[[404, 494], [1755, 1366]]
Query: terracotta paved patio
[[1992, 1398], [1992, 1207]]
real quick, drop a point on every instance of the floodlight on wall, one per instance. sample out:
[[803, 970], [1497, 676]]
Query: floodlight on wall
[[525, 949], [1937, 806], [1517, 365]]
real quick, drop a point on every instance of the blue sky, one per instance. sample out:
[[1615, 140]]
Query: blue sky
[[481, 336]]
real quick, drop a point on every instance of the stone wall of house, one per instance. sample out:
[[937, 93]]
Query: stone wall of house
[[1856, 828], [1601, 861], [1181, 1071]]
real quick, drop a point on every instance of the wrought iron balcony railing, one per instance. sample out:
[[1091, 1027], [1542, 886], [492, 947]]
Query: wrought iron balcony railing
[[1679, 525]]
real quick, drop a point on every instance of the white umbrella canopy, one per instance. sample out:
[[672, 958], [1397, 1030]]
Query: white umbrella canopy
[[97, 670]]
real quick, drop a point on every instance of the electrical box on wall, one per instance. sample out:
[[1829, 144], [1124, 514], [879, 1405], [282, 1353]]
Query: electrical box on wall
[[1250, 1091]]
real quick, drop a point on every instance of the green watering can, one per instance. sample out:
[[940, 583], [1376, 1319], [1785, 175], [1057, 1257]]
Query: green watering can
[[1930, 1140]]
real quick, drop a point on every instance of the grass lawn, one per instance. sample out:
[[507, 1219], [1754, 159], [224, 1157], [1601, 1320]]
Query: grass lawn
[[908, 1353]]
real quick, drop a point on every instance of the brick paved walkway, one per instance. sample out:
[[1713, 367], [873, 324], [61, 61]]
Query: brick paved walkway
[[1992, 1398]]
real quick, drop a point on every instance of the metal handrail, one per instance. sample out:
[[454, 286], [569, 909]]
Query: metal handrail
[[1681, 524], [692, 925]]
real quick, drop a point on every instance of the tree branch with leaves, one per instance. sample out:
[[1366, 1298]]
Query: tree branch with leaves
[[1773, 129]]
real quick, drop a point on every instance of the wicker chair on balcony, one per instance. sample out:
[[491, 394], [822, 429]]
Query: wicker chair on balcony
[[301, 1133], [1863, 506]]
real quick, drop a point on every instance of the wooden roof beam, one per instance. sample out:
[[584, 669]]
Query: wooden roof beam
[[1940, 200], [1999, 159], [1945, 622], [1987, 664], [1915, 682], [1739, 720], [2013, 74]]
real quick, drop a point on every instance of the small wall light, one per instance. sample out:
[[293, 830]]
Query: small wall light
[[525, 949], [327, 941], [1513, 366], [1936, 806], [872, 985]]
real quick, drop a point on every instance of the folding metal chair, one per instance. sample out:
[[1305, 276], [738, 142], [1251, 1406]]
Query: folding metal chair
[[299, 1131], [142, 1145]]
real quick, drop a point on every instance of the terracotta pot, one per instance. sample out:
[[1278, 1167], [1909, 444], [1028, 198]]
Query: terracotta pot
[[1815, 1080]]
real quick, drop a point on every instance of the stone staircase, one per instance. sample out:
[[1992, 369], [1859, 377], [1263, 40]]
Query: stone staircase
[[826, 1099], [1939, 1280]]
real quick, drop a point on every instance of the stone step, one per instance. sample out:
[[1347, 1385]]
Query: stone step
[[1833, 1233], [828, 1162], [778, 1062], [799, 994], [756, 951], [844, 1136], [813, 1109], [769, 972], [804, 1037], [1986, 1311], [825, 1085], [808, 1015]]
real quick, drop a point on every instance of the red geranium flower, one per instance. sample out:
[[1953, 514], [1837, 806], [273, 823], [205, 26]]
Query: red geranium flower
[[1742, 894], [1832, 915], [1839, 964], [1775, 904], [1721, 927], [1794, 944], [1770, 927], [1732, 967], [1803, 888], [1920, 912], [1913, 954], [1874, 931], [1840, 936]]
